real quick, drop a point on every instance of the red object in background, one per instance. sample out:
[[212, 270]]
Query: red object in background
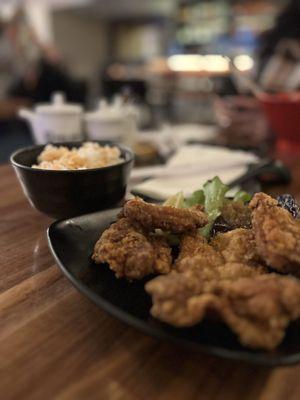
[[283, 112]]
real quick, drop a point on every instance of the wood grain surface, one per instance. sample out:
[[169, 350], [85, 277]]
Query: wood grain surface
[[56, 344]]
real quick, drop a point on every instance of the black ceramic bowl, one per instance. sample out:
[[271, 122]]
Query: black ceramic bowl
[[64, 194]]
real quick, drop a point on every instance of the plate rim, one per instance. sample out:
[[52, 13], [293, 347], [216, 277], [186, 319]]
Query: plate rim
[[132, 321]]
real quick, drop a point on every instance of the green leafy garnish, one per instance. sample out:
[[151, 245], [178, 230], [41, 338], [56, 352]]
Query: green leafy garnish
[[243, 196], [212, 197], [214, 192], [196, 198], [177, 200]]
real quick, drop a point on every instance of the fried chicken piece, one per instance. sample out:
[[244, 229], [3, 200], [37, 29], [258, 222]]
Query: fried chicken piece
[[170, 290], [257, 308], [195, 255], [260, 309], [126, 249], [171, 296], [191, 244], [234, 271], [194, 275], [236, 214], [214, 261], [162, 254], [237, 246], [167, 218], [277, 234], [130, 253]]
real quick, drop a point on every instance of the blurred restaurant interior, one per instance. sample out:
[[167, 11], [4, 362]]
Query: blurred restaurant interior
[[150, 199], [166, 57]]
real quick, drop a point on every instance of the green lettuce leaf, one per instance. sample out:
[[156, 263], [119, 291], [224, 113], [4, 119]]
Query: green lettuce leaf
[[177, 200], [214, 192], [243, 196], [212, 197], [196, 198]]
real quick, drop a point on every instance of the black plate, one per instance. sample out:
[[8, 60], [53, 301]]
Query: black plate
[[72, 241]]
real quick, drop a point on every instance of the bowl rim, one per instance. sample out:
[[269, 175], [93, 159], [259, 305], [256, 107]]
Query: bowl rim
[[71, 143]]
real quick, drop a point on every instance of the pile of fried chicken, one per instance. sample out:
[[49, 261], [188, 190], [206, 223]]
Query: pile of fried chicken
[[242, 277]]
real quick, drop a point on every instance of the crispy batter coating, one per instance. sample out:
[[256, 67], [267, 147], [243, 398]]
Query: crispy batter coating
[[130, 252], [236, 214], [162, 254], [196, 254], [172, 219], [237, 246], [277, 234], [167, 291], [259, 309], [177, 287], [171, 296], [256, 307], [191, 244], [215, 262]]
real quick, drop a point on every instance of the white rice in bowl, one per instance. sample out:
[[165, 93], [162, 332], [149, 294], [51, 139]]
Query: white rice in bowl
[[89, 155]]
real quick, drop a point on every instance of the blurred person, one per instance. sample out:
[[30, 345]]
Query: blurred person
[[278, 70], [20, 52], [30, 71], [13, 132], [8, 71], [39, 70]]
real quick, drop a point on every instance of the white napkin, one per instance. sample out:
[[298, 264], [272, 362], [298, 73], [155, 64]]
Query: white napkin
[[211, 157], [171, 138], [197, 132], [204, 162]]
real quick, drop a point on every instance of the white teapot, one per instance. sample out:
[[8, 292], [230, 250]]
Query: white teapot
[[55, 122], [115, 122]]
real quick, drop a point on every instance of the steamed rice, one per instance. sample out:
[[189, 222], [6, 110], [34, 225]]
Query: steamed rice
[[89, 155]]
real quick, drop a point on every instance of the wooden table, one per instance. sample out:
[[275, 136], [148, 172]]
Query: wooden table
[[56, 344]]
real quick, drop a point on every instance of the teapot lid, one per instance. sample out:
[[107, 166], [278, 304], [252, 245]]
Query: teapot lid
[[106, 111], [58, 105], [117, 110]]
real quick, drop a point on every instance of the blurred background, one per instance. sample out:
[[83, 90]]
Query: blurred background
[[163, 55]]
